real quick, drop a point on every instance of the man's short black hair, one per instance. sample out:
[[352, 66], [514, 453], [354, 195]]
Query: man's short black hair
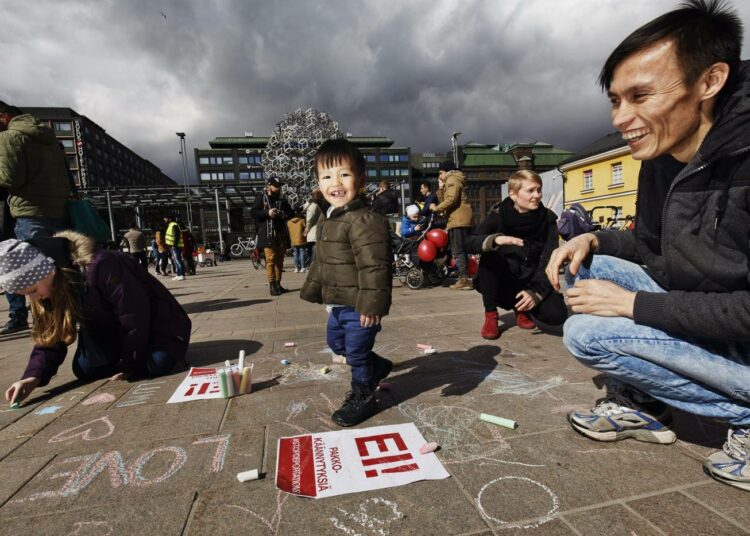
[[704, 31], [426, 185], [7, 109], [333, 152]]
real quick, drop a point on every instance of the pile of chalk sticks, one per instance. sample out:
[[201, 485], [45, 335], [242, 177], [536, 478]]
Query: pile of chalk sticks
[[235, 379]]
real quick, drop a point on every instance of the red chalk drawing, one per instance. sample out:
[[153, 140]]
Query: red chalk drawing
[[101, 398], [88, 431]]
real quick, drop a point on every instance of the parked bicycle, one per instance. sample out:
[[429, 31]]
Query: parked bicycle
[[238, 249]]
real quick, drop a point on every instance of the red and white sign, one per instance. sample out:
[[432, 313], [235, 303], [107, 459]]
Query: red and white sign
[[200, 384], [348, 461]]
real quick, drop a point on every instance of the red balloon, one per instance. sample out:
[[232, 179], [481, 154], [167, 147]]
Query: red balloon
[[426, 251], [473, 266], [438, 237]]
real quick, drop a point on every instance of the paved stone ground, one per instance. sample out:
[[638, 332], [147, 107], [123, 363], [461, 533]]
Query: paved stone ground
[[112, 458]]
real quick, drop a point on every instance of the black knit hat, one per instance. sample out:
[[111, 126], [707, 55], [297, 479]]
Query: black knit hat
[[273, 181], [447, 165]]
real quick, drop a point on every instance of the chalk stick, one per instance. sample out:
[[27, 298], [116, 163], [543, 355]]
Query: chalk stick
[[424, 346], [285, 362], [237, 377], [384, 386], [15, 405], [325, 370], [290, 344], [245, 380], [428, 447], [227, 363], [222, 383], [246, 476], [242, 360], [429, 351], [500, 421]]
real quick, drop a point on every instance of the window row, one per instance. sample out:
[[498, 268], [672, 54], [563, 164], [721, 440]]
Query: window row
[[616, 177], [394, 157], [218, 176]]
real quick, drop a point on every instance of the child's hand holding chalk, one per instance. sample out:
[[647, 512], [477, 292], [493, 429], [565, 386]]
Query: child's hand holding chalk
[[20, 390]]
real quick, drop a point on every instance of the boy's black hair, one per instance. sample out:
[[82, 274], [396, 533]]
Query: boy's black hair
[[704, 31], [335, 151], [7, 109]]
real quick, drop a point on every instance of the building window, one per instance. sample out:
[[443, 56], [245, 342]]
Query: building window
[[203, 160], [370, 157], [588, 180], [247, 160], [372, 172], [68, 144], [617, 174], [62, 126], [248, 175], [394, 157]]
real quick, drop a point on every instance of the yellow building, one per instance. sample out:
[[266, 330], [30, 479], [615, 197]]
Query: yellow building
[[603, 178]]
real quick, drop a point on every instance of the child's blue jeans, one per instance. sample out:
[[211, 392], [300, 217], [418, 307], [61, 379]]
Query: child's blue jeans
[[345, 336], [300, 254], [708, 378]]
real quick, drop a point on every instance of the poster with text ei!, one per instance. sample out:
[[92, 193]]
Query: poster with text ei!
[[199, 384], [348, 461]]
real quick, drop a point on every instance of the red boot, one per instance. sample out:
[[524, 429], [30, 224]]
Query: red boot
[[524, 321], [489, 329]]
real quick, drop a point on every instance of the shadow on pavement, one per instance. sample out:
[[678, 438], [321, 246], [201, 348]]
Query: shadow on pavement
[[210, 306], [206, 353]]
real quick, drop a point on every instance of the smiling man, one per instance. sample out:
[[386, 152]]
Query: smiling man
[[665, 310]]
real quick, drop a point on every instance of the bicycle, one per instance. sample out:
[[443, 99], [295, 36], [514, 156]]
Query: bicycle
[[238, 249]]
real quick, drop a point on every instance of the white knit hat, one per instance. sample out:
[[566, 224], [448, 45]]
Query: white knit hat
[[22, 265], [412, 210]]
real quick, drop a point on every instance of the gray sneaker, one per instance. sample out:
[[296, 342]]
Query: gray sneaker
[[732, 465], [619, 417]]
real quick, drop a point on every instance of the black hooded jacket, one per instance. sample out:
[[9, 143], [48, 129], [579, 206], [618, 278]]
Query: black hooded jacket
[[699, 247]]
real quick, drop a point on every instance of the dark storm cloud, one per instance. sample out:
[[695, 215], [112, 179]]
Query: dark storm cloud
[[414, 71]]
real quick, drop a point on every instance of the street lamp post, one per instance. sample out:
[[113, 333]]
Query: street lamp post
[[183, 154], [454, 144]]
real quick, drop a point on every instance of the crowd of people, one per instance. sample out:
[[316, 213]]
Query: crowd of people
[[661, 311]]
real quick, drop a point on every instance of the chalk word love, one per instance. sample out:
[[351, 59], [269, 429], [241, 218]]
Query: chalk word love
[[140, 394], [81, 471]]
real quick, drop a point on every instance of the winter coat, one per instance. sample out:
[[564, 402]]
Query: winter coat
[[34, 169], [269, 228], [386, 202], [296, 228], [121, 302], [352, 265], [429, 199], [135, 240], [695, 238], [313, 215], [161, 245], [527, 263], [454, 201], [408, 226]]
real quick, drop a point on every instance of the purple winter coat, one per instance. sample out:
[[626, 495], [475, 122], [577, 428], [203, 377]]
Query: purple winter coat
[[125, 303]]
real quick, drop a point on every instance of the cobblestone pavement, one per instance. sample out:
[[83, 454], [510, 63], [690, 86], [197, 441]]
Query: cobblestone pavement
[[105, 459]]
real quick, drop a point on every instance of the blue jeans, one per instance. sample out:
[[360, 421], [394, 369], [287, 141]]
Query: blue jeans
[[27, 228], [95, 360], [300, 256], [179, 265], [345, 336], [704, 377]]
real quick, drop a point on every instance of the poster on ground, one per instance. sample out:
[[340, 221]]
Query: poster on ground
[[199, 384], [348, 461]]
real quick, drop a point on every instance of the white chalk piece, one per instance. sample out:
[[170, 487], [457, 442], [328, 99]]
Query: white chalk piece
[[429, 351], [285, 361], [246, 476], [325, 370], [384, 386], [500, 421], [227, 363], [241, 360], [428, 447], [424, 346], [290, 344]]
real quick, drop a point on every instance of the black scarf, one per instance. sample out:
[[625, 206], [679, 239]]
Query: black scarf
[[532, 224]]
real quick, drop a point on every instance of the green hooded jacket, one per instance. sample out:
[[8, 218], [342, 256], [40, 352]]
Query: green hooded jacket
[[33, 169]]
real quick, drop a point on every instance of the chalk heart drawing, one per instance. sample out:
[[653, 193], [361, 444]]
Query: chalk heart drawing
[[513, 489], [373, 517], [91, 528], [101, 398], [88, 431]]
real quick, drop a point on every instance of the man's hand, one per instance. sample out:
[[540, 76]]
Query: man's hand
[[526, 301], [573, 251], [20, 390], [504, 240], [367, 321], [272, 213], [433, 207], [601, 298]]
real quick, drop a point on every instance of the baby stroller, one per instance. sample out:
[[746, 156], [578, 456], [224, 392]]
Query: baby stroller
[[420, 261]]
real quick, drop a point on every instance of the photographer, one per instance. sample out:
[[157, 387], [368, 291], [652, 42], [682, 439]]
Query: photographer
[[271, 211]]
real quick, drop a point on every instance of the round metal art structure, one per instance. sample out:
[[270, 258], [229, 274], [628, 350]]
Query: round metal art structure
[[290, 151]]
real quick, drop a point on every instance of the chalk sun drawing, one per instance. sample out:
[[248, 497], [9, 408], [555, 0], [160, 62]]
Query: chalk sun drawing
[[48, 410], [544, 518], [369, 520]]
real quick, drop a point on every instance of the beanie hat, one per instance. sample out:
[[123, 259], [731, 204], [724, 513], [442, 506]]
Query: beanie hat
[[22, 265], [273, 181], [447, 165], [412, 210]]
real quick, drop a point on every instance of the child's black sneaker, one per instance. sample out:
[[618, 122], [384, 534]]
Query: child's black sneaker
[[359, 405], [381, 368]]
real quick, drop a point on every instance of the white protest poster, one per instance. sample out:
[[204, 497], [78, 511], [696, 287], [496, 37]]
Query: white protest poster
[[199, 384], [348, 461]]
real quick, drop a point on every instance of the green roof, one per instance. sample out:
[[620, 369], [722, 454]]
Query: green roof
[[497, 159]]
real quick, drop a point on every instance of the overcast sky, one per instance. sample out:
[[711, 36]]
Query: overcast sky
[[413, 70]]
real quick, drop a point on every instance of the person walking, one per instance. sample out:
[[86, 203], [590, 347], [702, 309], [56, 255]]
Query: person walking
[[271, 211], [137, 246], [173, 238]]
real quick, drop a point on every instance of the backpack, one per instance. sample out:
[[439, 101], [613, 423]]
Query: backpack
[[574, 221]]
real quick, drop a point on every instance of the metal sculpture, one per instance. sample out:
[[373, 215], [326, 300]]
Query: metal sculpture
[[290, 151]]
